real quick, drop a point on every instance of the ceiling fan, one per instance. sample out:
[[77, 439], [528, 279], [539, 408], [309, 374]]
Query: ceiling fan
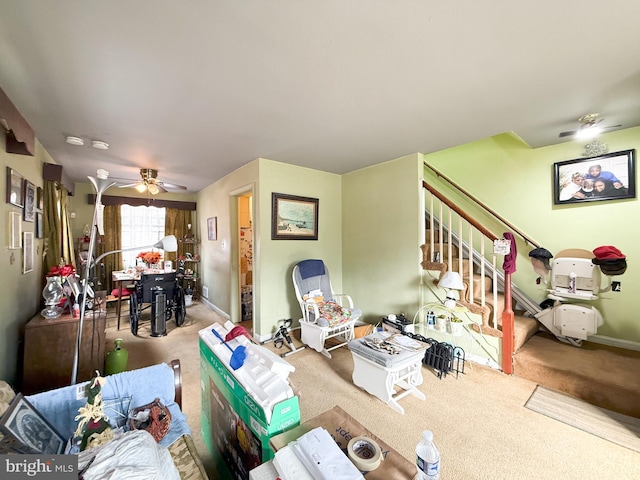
[[589, 127], [149, 183]]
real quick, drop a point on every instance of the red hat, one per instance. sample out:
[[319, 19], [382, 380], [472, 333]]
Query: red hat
[[608, 252]]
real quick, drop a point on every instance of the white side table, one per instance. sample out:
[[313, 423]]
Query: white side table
[[387, 377]]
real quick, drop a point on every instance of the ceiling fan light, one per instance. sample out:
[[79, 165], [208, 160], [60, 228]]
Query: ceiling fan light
[[141, 187], [153, 189], [589, 132]]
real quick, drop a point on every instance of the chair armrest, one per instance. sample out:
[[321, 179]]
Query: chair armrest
[[311, 306], [177, 380], [345, 296]]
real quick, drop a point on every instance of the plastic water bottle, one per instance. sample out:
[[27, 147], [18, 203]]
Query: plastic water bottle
[[427, 458]]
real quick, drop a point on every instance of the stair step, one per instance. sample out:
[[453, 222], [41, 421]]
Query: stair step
[[598, 374]]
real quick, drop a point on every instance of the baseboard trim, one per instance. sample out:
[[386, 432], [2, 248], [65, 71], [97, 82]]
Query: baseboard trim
[[487, 362], [216, 309], [615, 342]]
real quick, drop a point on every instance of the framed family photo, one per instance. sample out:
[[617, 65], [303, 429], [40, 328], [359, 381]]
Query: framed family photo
[[24, 423], [293, 217], [607, 177]]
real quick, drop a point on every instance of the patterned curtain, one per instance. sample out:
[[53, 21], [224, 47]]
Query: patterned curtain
[[176, 223], [57, 227], [112, 240]]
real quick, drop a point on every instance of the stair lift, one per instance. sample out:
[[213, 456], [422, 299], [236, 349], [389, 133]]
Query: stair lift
[[574, 278]]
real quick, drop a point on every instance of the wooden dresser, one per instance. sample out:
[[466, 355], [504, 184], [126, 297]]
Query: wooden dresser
[[49, 346]]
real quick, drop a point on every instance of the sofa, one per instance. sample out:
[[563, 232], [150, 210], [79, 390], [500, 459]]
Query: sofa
[[128, 390]]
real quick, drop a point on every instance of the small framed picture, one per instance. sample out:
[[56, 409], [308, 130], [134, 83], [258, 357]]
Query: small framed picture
[[15, 229], [27, 265], [15, 195], [29, 201], [24, 423], [212, 228], [39, 225], [39, 198]]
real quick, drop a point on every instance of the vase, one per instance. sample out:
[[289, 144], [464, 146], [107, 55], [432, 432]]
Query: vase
[[116, 359], [52, 294]]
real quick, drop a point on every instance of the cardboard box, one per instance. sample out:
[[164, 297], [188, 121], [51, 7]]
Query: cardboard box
[[343, 427], [234, 426]]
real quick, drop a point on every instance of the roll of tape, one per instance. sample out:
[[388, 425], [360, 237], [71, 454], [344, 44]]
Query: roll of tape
[[365, 453]]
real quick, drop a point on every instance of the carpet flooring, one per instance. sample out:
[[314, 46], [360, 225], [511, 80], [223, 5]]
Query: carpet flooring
[[480, 423], [615, 427]]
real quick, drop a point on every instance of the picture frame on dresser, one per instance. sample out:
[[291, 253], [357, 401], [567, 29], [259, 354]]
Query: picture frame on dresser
[[24, 423]]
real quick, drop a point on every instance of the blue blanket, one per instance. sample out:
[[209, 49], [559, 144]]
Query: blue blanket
[[311, 268], [141, 386]]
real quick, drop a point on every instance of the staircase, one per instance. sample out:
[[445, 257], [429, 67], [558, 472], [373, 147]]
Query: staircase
[[601, 375]]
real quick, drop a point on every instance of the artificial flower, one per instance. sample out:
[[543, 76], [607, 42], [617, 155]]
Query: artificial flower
[[149, 258], [61, 271]]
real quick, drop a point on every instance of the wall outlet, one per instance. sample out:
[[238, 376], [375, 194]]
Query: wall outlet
[[616, 286], [205, 292]]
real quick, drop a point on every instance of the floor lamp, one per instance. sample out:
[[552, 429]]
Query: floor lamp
[[168, 244]]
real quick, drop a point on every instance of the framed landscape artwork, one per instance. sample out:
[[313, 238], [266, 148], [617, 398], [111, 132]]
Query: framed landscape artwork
[[607, 177], [293, 217]]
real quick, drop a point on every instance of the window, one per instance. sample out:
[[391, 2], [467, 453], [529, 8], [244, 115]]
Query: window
[[140, 226]]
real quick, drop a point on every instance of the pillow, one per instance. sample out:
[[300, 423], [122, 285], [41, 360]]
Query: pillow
[[133, 455], [125, 292]]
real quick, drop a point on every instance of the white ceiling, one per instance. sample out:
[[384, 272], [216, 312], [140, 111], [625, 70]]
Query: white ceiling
[[198, 88]]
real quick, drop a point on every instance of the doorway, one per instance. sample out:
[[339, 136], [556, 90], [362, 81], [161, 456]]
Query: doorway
[[245, 259]]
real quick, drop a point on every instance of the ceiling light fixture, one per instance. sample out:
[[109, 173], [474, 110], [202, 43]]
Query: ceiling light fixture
[[153, 189], [75, 141], [141, 187], [100, 145]]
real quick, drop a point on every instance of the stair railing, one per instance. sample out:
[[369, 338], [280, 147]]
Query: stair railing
[[478, 237]]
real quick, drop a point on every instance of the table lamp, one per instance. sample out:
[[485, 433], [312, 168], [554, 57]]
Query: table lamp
[[451, 281]]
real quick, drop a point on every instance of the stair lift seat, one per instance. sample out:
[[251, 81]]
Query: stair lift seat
[[573, 278], [315, 295]]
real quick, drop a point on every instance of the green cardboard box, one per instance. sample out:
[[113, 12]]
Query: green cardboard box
[[234, 426]]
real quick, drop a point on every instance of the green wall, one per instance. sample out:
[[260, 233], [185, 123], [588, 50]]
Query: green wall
[[21, 292], [273, 260], [382, 231], [517, 183]]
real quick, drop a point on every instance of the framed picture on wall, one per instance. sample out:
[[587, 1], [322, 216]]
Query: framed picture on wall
[[15, 230], [27, 265], [15, 195], [212, 228], [39, 225], [293, 217], [607, 177], [29, 201]]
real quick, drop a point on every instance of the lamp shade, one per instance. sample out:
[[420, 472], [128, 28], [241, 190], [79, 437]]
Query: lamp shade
[[451, 280], [168, 244]]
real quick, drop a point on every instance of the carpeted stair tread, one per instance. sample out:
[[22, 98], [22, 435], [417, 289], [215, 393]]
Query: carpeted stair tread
[[598, 374]]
